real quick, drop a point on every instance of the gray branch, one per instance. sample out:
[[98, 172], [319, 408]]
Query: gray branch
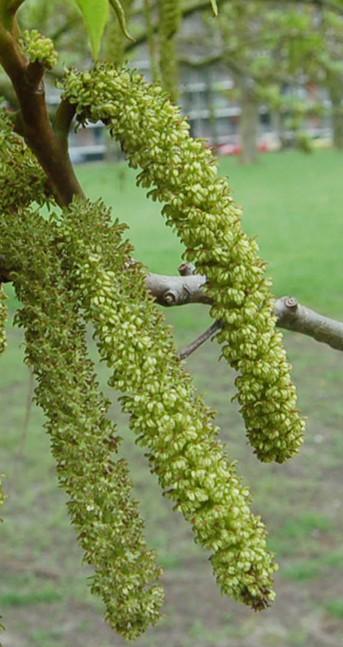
[[291, 315], [177, 290], [189, 288]]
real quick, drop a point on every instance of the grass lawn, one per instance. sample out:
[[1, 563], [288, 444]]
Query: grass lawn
[[293, 204]]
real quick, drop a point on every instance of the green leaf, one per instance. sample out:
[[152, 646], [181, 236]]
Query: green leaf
[[120, 13], [95, 14], [214, 7]]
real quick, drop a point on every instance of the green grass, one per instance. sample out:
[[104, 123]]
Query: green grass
[[293, 205], [19, 599], [335, 608]]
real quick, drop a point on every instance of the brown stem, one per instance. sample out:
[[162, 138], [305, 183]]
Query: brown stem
[[63, 119], [49, 148], [14, 5]]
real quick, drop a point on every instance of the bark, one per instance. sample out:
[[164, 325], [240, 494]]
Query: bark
[[249, 124]]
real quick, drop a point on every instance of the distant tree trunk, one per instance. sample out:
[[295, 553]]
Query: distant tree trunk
[[337, 126], [277, 127], [336, 96], [249, 125]]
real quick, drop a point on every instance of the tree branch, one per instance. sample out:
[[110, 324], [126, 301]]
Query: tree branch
[[50, 149], [291, 315], [199, 341], [14, 5], [63, 119], [180, 290], [8, 10], [177, 290]]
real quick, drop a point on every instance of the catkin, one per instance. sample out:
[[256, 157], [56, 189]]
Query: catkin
[[182, 173], [22, 180], [83, 441], [170, 419], [39, 48]]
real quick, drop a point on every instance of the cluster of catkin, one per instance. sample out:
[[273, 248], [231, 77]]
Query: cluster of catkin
[[171, 421], [74, 268]]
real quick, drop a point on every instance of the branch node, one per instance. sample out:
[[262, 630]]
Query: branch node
[[186, 269], [291, 303], [169, 298]]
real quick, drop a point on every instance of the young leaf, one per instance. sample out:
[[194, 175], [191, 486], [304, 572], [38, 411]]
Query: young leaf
[[95, 14], [120, 13], [214, 7]]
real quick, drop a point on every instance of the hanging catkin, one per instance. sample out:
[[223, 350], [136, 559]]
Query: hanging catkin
[[198, 204], [83, 441], [170, 419]]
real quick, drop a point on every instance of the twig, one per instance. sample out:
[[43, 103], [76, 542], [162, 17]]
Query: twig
[[181, 290], [291, 315], [199, 341]]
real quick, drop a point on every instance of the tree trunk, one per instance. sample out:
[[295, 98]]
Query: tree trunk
[[278, 128], [337, 126], [249, 126], [336, 96]]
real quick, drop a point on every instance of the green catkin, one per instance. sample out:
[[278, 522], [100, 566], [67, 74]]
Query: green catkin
[[182, 173], [39, 48], [170, 420], [203, 484], [83, 440], [169, 22], [22, 180]]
